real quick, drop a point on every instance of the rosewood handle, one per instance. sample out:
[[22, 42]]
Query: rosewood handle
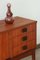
[[24, 30], [24, 38], [24, 47]]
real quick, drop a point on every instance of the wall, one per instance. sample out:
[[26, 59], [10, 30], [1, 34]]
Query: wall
[[25, 8]]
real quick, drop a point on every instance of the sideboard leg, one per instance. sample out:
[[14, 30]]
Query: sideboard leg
[[33, 55]]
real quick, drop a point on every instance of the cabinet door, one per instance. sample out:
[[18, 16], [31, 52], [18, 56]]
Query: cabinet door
[[5, 51], [1, 46], [7, 47]]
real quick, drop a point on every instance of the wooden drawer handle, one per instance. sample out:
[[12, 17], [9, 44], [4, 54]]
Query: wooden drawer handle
[[24, 38], [24, 30], [24, 47]]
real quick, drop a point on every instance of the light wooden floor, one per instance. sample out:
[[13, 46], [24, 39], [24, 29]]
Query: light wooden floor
[[37, 56]]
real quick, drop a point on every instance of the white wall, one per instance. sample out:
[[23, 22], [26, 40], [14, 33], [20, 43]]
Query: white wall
[[25, 8]]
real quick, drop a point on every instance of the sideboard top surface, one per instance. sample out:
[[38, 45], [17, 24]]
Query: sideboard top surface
[[18, 22]]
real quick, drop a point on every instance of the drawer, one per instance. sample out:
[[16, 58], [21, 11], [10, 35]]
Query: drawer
[[18, 50], [23, 48], [24, 38], [24, 29]]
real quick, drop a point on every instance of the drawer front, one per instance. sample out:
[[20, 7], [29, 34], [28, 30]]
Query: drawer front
[[24, 29], [24, 38], [24, 47], [18, 50]]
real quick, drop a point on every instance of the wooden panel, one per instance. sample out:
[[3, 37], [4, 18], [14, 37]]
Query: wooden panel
[[10, 38], [5, 51], [7, 47], [1, 46], [24, 38]]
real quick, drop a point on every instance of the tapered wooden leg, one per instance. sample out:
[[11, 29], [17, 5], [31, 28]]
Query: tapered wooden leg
[[33, 55]]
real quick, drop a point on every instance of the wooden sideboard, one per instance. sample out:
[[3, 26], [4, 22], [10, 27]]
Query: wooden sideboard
[[17, 40]]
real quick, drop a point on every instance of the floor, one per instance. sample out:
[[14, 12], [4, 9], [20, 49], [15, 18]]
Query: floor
[[37, 56]]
